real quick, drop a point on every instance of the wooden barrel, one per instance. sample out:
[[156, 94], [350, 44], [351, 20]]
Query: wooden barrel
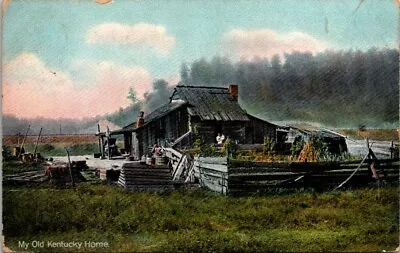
[[16, 151], [161, 160]]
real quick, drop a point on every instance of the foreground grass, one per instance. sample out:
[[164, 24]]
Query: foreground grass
[[200, 221]]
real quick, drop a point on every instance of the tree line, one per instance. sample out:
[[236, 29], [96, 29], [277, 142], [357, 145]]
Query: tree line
[[335, 88]]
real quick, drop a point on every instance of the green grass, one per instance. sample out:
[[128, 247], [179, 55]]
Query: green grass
[[13, 167], [47, 150], [200, 221]]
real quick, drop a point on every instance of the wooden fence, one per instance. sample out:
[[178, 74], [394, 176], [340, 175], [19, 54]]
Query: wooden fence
[[238, 178]]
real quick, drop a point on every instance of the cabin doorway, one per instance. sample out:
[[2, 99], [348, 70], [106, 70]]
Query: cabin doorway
[[217, 130]]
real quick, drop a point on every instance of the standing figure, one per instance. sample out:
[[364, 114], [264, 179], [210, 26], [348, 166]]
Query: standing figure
[[222, 138], [219, 140], [157, 150]]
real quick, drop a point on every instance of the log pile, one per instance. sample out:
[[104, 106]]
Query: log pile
[[141, 177]]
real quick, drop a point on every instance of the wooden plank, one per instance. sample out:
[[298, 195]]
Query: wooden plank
[[212, 160], [161, 173], [212, 177], [178, 172], [216, 167], [173, 152], [137, 179], [133, 170], [149, 183], [262, 178], [147, 176], [190, 174], [212, 185], [211, 171]]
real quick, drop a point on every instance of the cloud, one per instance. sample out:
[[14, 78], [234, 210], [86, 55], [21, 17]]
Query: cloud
[[32, 89], [139, 35], [266, 43]]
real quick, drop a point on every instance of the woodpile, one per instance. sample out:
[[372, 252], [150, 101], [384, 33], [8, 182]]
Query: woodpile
[[62, 174], [141, 177]]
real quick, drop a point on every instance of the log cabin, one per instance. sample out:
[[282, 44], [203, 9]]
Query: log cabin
[[196, 113]]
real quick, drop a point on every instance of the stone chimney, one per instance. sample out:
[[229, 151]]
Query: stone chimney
[[140, 119], [234, 91]]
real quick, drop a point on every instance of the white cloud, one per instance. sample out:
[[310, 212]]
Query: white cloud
[[110, 74], [266, 43], [140, 35], [31, 89]]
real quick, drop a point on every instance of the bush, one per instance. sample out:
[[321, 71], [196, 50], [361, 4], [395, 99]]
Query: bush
[[6, 153], [206, 150], [297, 146], [314, 150]]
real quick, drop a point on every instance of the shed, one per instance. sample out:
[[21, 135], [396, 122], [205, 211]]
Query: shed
[[335, 142]]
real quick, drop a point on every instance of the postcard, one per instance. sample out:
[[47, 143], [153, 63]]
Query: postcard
[[200, 126]]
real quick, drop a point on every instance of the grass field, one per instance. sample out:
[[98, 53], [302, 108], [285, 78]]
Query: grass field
[[54, 145], [362, 220], [373, 134], [200, 221]]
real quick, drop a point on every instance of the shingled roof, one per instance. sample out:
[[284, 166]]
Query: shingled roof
[[210, 103], [162, 110]]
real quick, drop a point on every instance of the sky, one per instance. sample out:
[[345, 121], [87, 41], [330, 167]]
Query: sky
[[78, 58]]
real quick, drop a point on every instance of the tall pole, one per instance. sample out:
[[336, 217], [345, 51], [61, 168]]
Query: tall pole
[[108, 143], [23, 141], [70, 169], [37, 141], [101, 145]]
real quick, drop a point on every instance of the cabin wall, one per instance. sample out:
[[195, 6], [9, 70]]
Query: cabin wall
[[207, 131], [165, 130], [162, 131], [257, 129], [135, 147]]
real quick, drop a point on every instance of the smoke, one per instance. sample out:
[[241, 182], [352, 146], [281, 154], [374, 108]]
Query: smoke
[[334, 88]]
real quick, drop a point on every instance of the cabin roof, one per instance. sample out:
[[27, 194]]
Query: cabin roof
[[210, 103], [310, 130], [252, 117], [162, 111]]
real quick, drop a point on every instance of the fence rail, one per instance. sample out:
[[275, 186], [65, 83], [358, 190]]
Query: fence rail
[[239, 178]]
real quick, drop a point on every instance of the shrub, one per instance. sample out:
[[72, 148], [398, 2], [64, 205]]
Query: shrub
[[207, 150], [314, 150], [297, 146], [268, 146]]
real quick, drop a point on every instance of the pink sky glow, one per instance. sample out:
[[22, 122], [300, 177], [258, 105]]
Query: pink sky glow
[[30, 89]]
